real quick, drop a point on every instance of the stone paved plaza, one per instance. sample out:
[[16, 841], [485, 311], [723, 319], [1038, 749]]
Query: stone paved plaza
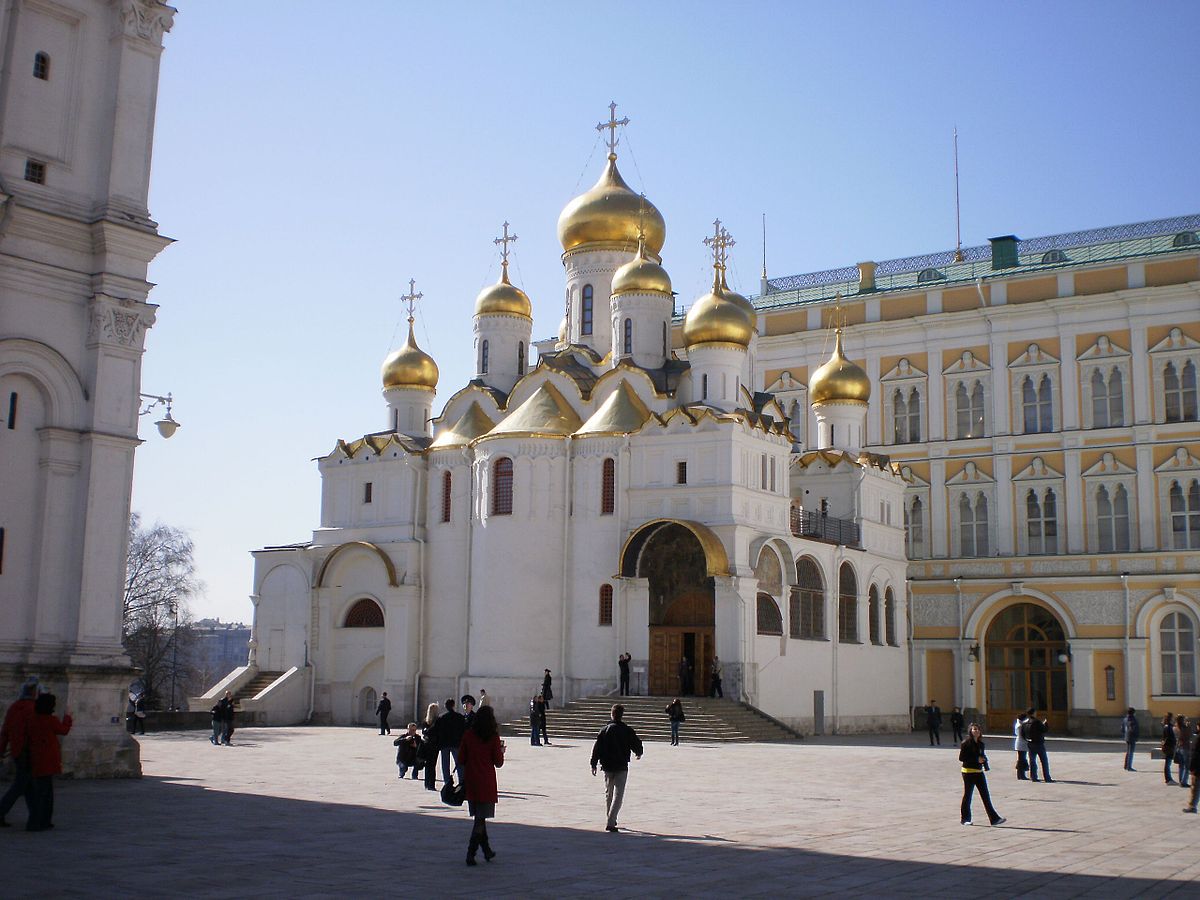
[[296, 812]]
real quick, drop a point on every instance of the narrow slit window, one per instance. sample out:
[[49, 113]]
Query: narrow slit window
[[606, 604], [586, 310], [608, 488], [12, 411], [368, 490], [681, 472], [447, 486], [41, 66]]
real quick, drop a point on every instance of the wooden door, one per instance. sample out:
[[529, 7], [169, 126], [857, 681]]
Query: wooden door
[[666, 646]]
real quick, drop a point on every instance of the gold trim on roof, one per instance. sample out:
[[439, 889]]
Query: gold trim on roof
[[622, 413], [545, 414], [472, 424], [716, 560]]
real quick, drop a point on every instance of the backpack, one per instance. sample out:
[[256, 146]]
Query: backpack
[[1027, 734]]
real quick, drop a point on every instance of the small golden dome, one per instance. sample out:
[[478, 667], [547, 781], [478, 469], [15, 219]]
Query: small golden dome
[[410, 366], [641, 274], [503, 298], [610, 212], [839, 379], [717, 319]]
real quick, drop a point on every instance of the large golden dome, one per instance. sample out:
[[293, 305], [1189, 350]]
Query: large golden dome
[[410, 366], [716, 319], [610, 212], [735, 297], [839, 379], [641, 274], [503, 298]]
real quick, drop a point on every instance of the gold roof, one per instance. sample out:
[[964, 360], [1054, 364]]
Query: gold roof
[[622, 413], [716, 561], [473, 423], [503, 298], [641, 274], [717, 319], [735, 297], [610, 212], [546, 414], [839, 379], [410, 366]]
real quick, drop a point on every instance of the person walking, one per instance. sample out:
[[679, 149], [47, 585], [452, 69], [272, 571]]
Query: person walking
[[427, 753], [1021, 746], [450, 727], [139, 714], [383, 710], [1129, 732], [623, 665], [611, 751], [933, 721], [956, 723], [45, 759], [974, 764], [480, 754], [547, 688], [406, 751], [1034, 731], [13, 738], [675, 714], [714, 673], [1183, 748], [1168, 747]]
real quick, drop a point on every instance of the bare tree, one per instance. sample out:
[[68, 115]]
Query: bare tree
[[160, 579]]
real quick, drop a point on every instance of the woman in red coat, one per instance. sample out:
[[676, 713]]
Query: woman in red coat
[[480, 754], [45, 759]]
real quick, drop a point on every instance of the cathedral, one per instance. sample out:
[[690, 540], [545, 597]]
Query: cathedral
[[624, 489]]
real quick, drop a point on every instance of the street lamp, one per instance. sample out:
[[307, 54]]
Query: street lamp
[[166, 425]]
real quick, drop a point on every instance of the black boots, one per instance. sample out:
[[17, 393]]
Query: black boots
[[471, 848], [488, 852]]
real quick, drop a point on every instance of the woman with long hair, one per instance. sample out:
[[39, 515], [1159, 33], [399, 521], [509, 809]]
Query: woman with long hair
[[429, 746], [974, 764], [480, 754]]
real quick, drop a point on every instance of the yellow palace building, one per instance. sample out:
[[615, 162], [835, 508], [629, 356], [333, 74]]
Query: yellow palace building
[[1040, 397]]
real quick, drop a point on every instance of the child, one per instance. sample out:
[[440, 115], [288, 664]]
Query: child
[[45, 759]]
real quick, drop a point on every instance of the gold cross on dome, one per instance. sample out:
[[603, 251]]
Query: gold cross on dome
[[719, 243], [504, 241], [411, 297], [611, 125]]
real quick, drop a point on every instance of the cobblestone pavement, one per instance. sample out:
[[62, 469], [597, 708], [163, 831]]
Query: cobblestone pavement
[[300, 812]]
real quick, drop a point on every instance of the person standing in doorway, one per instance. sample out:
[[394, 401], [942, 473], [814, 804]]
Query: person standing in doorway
[[1021, 746], [450, 727], [715, 689], [675, 714], [974, 764], [383, 710], [547, 688], [956, 724], [933, 721], [480, 754], [1129, 732], [13, 735], [623, 664], [1034, 731], [1168, 746], [615, 742]]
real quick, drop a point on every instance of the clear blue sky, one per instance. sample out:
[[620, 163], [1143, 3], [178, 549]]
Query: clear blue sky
[[311, 157]]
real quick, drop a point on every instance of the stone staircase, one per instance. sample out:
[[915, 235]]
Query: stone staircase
[[708, 721], [256, 686]]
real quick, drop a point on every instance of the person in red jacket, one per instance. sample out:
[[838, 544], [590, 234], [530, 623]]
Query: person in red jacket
[[45, 759], [480, 754], [12, 735]]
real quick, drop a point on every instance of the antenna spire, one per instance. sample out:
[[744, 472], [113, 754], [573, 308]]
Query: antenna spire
[[958, 254]]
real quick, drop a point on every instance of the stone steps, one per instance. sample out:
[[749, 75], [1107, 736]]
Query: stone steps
[[256, 686], [708, 721]]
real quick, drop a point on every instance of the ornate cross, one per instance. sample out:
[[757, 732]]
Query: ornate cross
[[504, 241], [411, 297], [719, 243], [611, 125]]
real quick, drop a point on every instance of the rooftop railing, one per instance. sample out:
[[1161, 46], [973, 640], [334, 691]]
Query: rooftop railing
[[809, 524]]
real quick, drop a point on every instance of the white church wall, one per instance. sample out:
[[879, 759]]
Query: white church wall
[[284, 611]]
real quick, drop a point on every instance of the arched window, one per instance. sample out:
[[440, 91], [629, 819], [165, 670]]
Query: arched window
[[608, 487], [606, 604], [1037, 404], [1185, 515], [41, 66], [704, 387], [873, 615], [446, 495], [1180, 391], [585, 317], [483, 358], [1108, 400], [906, 416], [664, 330], [1177, 653], [364, 614], [628, 342], [502, 487], [769, 619], [914, 524], [520, 358], [968, 409], [973, 525], [1041, 523], [847, 605], [889, 617], [1112, 519], [807, 606]]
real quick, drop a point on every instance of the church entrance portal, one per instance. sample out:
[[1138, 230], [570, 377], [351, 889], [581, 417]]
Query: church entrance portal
[[1025, 653], [682, 611]]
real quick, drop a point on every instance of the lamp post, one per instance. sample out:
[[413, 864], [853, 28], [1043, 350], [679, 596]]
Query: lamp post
[[166, 425]]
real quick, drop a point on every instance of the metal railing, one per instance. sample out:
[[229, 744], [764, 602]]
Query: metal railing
[[806, 523]]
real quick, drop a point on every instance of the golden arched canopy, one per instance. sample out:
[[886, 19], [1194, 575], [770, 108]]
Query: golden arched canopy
[[716, 560]]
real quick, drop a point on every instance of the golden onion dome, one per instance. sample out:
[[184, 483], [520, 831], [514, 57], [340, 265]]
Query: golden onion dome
[[839, 379], [641, 274], [610, 212], [503, 299], [716, 319], [410, 366], [735, 297]]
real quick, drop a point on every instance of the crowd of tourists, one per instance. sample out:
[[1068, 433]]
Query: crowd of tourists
[[30, 733]]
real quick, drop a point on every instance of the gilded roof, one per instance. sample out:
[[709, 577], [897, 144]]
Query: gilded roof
[[410, 366], [622, 413], [610, 212], [545, 414], [472, 424], [503, 298], [378, 443], [839, 379], [641, 275]]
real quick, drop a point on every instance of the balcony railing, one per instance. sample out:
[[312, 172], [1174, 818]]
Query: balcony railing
[[809, 524]]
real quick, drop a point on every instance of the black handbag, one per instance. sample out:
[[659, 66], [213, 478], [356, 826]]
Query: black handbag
[[453, 794]]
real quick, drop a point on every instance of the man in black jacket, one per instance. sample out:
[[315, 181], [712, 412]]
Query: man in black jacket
[[1034, 732], [449, 728], [611, 750], [383, 710]]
